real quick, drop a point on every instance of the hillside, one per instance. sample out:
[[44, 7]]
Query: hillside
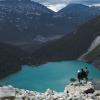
[[11, 58], [71, 46], [73, 15], [92, 55], [22, 21]]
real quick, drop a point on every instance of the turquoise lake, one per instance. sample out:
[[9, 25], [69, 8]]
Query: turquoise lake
[[55, 75]]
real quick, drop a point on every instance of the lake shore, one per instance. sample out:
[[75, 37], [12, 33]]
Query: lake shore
[[51, 75], [73, 91]]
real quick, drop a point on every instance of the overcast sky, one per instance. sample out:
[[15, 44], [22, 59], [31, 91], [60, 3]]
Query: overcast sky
[[58, 4]]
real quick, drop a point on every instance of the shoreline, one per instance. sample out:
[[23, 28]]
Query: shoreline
[[73, 91], [38, 64]]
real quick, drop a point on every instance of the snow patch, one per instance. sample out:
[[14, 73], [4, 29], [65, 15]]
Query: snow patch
[[94, 44]]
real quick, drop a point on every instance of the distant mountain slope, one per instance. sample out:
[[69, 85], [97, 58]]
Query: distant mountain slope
[[30, 6], [73, 8], [22, 21], [72, 46], [73, 15], [93, 53], [76, 14], [11, 58], [79, 10], [94, 44]]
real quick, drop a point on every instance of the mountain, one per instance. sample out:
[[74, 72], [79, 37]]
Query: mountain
[[30, 6], [23, 20], [74, 9], [79, 11], [37, 42], [93, 53], [71, 46], [94, 44], [36, 27], [73, 15], [11, 58]]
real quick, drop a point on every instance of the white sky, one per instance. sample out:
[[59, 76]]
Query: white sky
[[59, 4], [56, 7]]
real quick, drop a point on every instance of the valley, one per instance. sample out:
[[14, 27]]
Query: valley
[[32, 34]]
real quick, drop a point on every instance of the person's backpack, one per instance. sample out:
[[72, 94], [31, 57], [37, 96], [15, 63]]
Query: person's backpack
[[84, 74]]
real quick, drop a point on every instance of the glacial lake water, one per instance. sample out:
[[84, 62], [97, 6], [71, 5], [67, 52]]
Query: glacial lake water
[[55, 75]]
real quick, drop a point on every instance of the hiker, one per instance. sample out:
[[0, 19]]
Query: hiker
[[84, 74], [87, 72], [79, 76]]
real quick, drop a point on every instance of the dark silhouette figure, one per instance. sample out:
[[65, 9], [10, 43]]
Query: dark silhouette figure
[[87, 72], [79, 76], [83, 74]]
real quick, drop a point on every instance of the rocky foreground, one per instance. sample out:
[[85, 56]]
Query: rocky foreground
[[73, 91]]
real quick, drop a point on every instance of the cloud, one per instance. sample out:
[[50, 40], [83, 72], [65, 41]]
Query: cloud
[[56, 7], [67, 1], [58, 4]]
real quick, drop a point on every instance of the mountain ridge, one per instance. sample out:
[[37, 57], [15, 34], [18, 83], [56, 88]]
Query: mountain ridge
[[32, 19], [72, 46]]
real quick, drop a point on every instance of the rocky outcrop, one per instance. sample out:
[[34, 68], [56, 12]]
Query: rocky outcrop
[[73, 91]]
